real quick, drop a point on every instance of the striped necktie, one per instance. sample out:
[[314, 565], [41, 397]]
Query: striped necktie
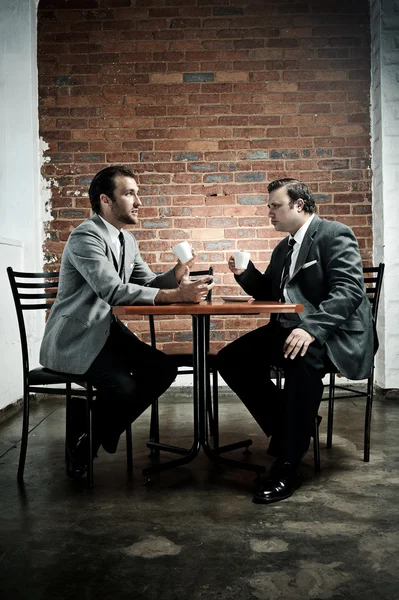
[[286, 268], [121, 270]]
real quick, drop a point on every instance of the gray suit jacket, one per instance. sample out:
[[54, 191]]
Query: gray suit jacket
[[89, 285], [328, 280]]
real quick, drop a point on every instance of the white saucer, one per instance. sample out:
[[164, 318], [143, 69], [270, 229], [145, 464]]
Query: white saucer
[[236, 298]]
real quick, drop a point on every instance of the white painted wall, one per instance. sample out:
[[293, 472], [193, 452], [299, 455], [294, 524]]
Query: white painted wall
[[21, 217], [385, 162]]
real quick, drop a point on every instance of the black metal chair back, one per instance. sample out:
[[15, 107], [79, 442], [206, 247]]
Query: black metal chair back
[[373, 277], [31, 294]]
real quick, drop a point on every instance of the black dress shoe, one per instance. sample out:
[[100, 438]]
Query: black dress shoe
[[76, 464], [282, 481]]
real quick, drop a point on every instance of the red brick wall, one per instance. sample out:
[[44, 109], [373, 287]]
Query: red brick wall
[[207, 101]]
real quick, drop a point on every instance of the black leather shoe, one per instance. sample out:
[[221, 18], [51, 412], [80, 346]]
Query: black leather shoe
[[282, 481], [76, 465]]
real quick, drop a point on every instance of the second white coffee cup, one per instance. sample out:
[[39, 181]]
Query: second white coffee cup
[[183, 252], [241, 259]]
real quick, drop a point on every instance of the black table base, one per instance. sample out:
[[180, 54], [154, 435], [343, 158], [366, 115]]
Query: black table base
[[202, 407]]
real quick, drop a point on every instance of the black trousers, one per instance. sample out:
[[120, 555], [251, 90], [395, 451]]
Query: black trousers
[[287, 415], [128, 375]]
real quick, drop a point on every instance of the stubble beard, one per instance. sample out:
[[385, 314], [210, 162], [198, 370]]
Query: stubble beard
[[126, 219]]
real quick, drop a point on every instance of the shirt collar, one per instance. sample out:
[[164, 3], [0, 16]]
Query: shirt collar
[[300, 234], [113, 231]]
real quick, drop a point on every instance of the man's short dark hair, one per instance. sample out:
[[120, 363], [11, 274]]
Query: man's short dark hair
[[295, 190], [104, 183]]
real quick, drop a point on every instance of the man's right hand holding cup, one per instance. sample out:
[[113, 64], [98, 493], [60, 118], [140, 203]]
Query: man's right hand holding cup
[[238, 262]]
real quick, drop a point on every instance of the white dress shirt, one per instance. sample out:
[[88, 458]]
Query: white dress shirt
[[114, 235]]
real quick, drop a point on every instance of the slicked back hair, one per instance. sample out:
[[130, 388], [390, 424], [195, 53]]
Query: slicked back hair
[[104, 183], [295, 190]]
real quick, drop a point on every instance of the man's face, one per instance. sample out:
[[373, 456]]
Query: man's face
[[122, 209], [283, 215]]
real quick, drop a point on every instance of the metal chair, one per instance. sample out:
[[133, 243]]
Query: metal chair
[[37, 291], [373, 277]]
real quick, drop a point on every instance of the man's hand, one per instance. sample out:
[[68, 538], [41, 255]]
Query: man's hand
[[180, 267], [298, 341], [232, 267], [194, 291], [188, 291]]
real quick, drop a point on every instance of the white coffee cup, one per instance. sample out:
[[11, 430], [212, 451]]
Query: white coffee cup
[[183, 252], [241, 259]]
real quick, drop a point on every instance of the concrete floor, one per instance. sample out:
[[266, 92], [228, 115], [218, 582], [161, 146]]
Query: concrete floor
[[195, 534]]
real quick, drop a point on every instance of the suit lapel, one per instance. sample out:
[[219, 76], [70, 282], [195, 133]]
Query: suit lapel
[[306, 245], [107, 238], [281, 258]]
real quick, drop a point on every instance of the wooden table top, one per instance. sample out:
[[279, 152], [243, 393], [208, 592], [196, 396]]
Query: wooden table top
[[212, 307]]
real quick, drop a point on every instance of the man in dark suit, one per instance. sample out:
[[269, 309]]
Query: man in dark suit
[[317, 265], [101, 267]]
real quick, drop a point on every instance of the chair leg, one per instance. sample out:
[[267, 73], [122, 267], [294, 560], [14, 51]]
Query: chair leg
[[209, 403], [154, 428], [367, 424], [331, 395], [25, 433], [129, 449], [216, 446], [68, 395], [316, 446], [89, 417], [213, 409]]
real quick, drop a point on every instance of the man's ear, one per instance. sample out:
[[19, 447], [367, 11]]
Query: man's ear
[[105, 199], [300, 204]]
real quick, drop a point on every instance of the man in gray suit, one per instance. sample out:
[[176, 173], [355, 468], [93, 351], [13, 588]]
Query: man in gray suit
[[101, 267], [319, 266]]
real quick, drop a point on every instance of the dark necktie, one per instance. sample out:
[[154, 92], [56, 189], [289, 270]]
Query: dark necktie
[[121, 270], [286, 268]]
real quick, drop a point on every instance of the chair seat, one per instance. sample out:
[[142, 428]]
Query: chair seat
[[179, 350], [183, 357], [42, 376]]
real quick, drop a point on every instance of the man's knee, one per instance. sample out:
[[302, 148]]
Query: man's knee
[[307, 365], [167, 369], [224, 358], [227, 356], [156, 379], [170, 374]]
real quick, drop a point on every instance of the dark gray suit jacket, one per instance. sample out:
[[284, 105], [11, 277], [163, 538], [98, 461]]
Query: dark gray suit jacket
[[328, 280], [89, 285]]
